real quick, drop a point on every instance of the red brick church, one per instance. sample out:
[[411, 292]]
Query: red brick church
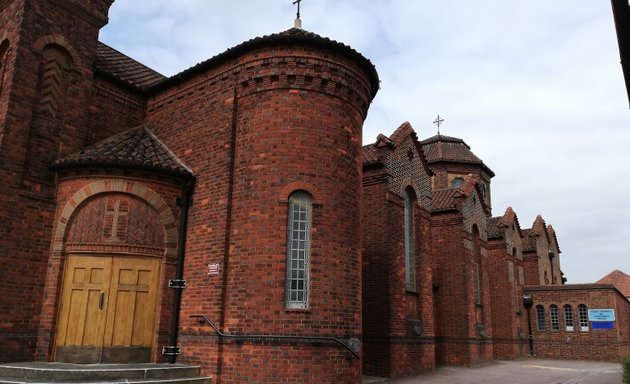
[[139, 212]]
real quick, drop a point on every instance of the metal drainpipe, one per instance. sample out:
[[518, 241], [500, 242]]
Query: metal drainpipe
[[178, 284]]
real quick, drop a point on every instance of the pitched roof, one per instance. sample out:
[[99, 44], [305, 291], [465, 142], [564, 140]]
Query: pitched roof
[[444, 199], [493, 227], [111, 63], [376, 153], [619, 279], [136, 148], [450, 149], [497, 225]]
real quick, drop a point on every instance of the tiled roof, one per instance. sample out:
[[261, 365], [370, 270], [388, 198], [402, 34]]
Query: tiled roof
[[290, 36], [619, 279], [123, 68], [135, 148], [493, 227], [444, 199], [446, 148]]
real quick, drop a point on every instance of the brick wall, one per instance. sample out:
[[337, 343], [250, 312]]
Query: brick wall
[[509, 324], [463, 327], [398, 324], [38, 122], [591, 344]]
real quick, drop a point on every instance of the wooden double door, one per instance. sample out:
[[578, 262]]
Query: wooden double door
[[108, 309]]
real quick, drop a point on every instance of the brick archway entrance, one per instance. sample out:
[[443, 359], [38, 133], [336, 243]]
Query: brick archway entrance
[[116, 241]]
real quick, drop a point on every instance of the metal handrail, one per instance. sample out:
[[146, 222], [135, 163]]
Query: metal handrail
[[200, 318]]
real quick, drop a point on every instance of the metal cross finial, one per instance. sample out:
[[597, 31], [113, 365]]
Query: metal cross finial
[[438, 121], [298, 22], [298, 8]]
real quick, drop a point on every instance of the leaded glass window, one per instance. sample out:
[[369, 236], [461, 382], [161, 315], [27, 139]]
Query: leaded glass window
[[298, 250], [583, 315], [410, 262], [568, 317], [540, 318], [554, 317]]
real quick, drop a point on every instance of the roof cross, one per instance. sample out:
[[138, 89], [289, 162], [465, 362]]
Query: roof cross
[[298, 22], [438, 121]]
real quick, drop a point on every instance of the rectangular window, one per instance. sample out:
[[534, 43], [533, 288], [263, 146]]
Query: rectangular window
[[298, 250], [554, 317]]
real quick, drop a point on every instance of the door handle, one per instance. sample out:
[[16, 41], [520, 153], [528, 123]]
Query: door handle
[[101, 300]]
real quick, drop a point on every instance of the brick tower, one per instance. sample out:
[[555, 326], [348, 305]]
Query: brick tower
[[47, 51], [272, 128]]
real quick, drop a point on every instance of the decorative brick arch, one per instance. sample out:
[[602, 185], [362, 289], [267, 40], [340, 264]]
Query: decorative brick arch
[[137, 189], [61, 41], [301, 186], [408, 183]]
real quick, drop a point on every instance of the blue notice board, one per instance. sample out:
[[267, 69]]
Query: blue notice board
[[602, 324], [601, 315]]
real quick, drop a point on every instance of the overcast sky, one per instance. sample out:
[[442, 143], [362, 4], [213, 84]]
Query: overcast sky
[[533, 87]]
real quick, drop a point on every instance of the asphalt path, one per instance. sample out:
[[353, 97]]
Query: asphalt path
[[522, 371]]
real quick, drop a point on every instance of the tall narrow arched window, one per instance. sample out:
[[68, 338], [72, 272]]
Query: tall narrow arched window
[[475, 260], [540, 318], [410, 248], [4, 54], [298, 250], [568, 318], [583, 316], [554, 317]]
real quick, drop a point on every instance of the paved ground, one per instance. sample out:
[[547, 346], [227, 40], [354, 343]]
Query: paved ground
[[526, 371]]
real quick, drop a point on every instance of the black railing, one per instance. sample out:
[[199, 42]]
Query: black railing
[[353, 342]]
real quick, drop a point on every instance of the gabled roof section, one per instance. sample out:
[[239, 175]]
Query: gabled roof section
[[551, 234], [119, 67], [494, 232], [441, 148], [136, 148], [619, 279], [290, 36], [446, 199], [529, 240], [501, 222], [374, 154], [539, 228]]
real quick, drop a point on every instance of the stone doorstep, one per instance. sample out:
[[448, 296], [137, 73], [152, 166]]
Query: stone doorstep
[[39, 372], [187, 380]]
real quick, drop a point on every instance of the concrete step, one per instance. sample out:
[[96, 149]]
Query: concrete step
[[62, 373]]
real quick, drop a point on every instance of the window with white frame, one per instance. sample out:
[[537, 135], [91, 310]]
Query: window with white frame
[[554, 317], [540, 318], [583, 317], [568, 318], [298, 250], [410, 249]]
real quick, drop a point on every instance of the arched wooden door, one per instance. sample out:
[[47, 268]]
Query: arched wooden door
[[108, 309]]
